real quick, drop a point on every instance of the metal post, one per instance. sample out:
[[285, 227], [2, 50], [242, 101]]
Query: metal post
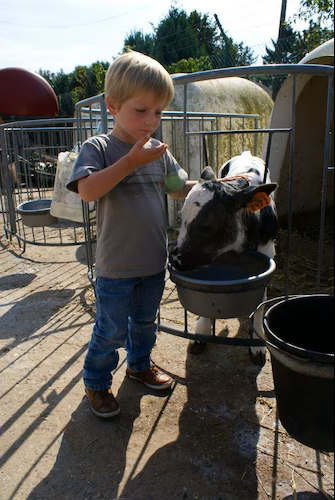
[[267, 160], [291, 172], [185, 130], [324, 179], [8, 197], [104, 116]]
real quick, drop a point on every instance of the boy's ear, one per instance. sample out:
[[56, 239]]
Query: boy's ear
[[110, 106]]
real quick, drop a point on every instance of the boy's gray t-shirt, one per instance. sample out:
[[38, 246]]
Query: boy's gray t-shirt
[[131, 218]]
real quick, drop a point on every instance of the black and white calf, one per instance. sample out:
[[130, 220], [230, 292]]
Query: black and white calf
[[215, 219]]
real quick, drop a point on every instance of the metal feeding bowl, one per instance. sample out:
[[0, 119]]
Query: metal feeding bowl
[[36, 213], [231, 287]]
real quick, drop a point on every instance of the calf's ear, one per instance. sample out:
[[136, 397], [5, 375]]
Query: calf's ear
[[244, 197], [207, 174], [265, 188]]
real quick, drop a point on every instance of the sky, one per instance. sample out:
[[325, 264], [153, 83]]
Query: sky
[[54, 35]]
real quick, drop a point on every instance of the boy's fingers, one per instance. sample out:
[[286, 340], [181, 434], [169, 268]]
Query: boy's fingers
[[158, 151], [162, 147], [142, 141]]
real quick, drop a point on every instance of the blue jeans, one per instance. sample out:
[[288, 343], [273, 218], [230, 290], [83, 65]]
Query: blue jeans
[[126, 312]]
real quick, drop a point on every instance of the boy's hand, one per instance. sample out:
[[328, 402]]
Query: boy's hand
[[139, 155]]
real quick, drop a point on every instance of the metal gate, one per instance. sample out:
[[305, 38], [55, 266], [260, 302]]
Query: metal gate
[[204, 127], [273, 136], [28, 162], [202, 131]]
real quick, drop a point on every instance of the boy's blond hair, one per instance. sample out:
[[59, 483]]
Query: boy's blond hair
[[133, 73]]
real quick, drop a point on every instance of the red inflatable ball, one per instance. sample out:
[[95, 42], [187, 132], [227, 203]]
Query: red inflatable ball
[[24, 93]]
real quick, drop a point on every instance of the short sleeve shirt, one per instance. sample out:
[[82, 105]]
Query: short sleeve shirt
[[131, 218]]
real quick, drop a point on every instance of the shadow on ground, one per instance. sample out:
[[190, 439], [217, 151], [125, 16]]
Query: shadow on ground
[[306, 495], [213, 457], [31, 313], [14, 281]]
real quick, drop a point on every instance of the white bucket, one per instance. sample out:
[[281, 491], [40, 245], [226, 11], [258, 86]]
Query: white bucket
[[66, 204]]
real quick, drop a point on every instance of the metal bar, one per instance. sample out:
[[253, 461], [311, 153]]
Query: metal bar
[[212, 339], [326, 155], [250, 131], [186, 132], [28, 123], [89, 101], [256, 137], [185, 321], [190, 119], [272, 69], [104, 116], [35, 242], [88, 239], [191, 114], [267, 160], [8, 196], [217, 145], [91, 122], [203, 114], [291, 173], [213, 322]]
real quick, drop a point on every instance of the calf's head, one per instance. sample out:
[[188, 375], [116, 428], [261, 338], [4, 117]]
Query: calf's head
[[213, 220]]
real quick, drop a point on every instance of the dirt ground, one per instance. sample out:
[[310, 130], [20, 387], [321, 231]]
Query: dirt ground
[[214, 436]]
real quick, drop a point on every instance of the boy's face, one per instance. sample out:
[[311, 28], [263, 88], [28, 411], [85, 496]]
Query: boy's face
[[137, 117]]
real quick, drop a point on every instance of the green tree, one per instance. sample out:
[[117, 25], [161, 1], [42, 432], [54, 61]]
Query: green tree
[[320, 17], [190, 65], [206, 32], [322, 9], [137, 40], [232, 54], [176, 39], [188, 43], [294, 45], [285, 49], [83, 82]]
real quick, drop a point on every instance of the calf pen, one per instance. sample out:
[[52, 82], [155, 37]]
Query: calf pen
[[202, 132], [29, 153], [28, 164]]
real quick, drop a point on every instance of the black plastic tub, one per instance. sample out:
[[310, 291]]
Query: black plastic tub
[[299, 332], [36, 213], [230, 288]]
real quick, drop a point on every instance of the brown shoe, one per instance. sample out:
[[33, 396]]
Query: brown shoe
[[103, 403], [152, 377]]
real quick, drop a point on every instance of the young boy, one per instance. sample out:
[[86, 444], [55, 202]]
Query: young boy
[[129, 173]]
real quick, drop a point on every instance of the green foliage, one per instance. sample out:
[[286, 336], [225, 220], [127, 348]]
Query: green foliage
[[284, 49], [294, 45], [140, 42], [206, 32], [188, 43], [190, 65], [236, 54], [322, 9], [175, 39], [83, 82]]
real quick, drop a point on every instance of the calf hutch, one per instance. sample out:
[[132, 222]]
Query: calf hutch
[[309, 138]]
